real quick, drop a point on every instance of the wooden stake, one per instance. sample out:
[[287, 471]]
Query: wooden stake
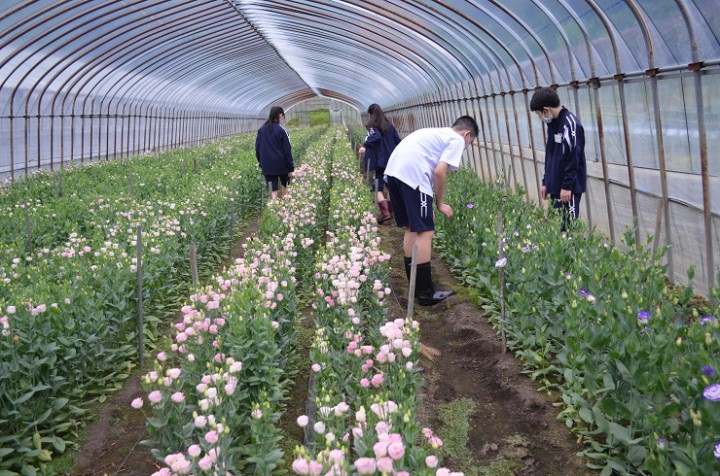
[[140, 329], [28, 231], [193, 264], [411, 284], [501, 254]]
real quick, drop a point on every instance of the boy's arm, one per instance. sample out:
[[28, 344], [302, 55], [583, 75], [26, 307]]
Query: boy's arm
[[440, 176], [570, 159]]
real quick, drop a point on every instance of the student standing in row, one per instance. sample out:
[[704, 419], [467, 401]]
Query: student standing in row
[[565, 176], [273, 151], [379, 144], [420, 163]]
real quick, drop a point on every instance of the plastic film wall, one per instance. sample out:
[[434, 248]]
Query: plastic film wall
[[88, 80]]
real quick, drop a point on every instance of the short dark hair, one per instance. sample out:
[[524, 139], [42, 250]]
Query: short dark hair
[[466, 123], [544, 97]]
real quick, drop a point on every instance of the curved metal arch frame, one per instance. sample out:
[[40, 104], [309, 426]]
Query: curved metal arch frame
[[397, 35]]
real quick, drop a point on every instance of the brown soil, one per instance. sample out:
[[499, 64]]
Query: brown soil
[[512, 421]]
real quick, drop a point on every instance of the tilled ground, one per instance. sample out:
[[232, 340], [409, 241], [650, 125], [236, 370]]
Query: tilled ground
[[513, 423]]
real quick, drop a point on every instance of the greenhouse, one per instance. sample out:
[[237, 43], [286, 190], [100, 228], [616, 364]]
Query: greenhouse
[[166, 308]]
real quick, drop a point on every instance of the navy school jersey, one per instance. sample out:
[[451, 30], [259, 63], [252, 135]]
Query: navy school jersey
[[565, 166]]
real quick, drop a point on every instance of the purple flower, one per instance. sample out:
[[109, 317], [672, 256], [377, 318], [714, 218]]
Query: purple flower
[[716, 450], [470, 206], [525, 249], [661, 443], [706, 320], [712, 392], [587, 295], [708, 370], [643, 317]]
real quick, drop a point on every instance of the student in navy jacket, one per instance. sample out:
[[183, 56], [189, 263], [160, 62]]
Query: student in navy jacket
[[273, 151], [565, 177], [379, 144]]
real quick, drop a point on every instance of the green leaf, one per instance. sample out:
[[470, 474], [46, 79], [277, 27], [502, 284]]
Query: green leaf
[[620, 432], [5, 452], [586, 414], [637, 454]]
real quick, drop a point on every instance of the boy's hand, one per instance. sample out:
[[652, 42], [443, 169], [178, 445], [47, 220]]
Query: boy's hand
[[361, 150], [543, 192], [445, 210], [565, 196]]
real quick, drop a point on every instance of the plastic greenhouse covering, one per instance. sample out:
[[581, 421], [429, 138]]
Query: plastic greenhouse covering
[[89, 80]]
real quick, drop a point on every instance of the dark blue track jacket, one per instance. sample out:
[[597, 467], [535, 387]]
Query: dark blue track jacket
[[379, 146], [273, 150], [565, 166]]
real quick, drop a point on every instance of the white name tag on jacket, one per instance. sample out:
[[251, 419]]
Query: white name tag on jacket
[[558, 138]]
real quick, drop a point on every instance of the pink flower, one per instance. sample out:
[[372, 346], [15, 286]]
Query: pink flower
[[365, 382], [194, 451], [385, 465], [336, 456], [178, 397], [200, 421], [431, 461], [137, 403], [396, 450], [315, 468], [300, 466], [155, 396], [205, 463], [377, 380], [211, 437], [365, 466], [380, 449], [442, 472], [303, 421]]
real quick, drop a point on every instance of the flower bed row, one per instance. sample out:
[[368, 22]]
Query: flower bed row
[[215, 395], [635, 363], [68, 310], [366, 377]]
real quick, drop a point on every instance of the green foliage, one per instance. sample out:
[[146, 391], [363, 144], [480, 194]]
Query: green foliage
[[455, 418], [71, 337], [320, 117], [632, 388]]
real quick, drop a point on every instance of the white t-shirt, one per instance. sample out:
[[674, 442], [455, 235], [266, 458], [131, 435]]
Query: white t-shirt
[[414, 160]]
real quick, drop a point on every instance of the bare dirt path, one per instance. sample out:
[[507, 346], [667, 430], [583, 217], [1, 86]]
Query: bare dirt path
[[514, 428]]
